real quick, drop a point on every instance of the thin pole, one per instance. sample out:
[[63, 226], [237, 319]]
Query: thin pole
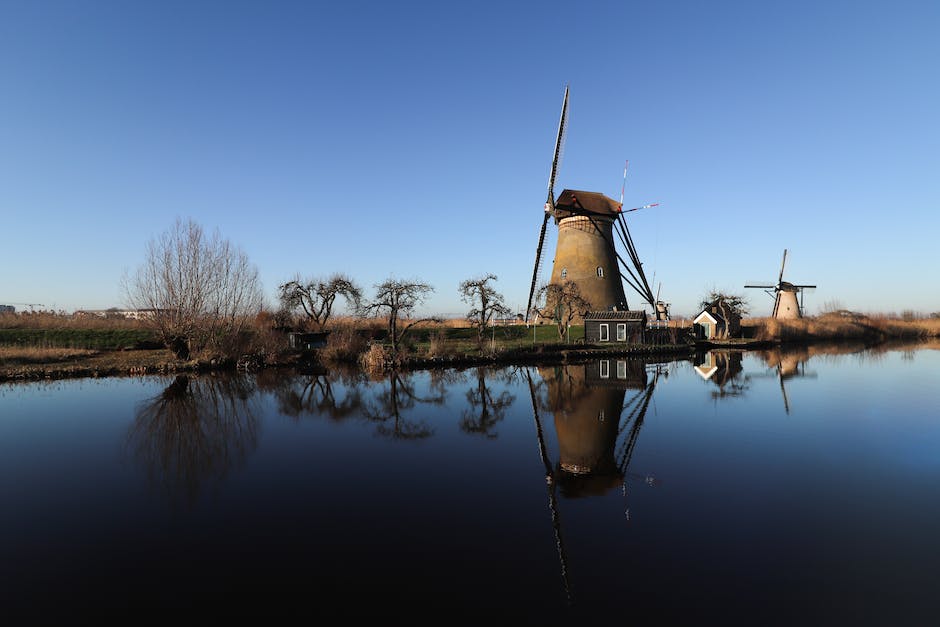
[[624, 184]]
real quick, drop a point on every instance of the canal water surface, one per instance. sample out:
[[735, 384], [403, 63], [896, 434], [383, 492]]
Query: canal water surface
[[756, 488]]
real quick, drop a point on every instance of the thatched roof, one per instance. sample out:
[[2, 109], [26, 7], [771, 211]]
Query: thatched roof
[[630, 316], [577, 202]]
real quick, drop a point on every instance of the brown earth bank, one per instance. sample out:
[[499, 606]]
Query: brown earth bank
[[162, 361], [93, 364], [350, 347], [100, 364]]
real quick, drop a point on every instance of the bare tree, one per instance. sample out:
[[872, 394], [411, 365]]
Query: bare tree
[[485, 300], [732, 308], [563, 304], [199, 292], [398, 299], [316, 296]]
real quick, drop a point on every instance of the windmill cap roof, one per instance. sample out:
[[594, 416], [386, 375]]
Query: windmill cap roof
[[615, 315], [574, 201]]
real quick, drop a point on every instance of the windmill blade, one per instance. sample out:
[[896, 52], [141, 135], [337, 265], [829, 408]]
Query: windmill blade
[[655, 204], [782, 265], [559, 142], [627, 240], [766, 287], [550, 203], [624, 184], [535, 268]]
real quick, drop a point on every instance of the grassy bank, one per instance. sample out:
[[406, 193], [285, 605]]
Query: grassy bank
[[94, 339]]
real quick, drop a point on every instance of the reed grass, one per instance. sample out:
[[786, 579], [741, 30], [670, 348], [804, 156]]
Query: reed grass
[[16, 355], [49, 320], [843, 326]]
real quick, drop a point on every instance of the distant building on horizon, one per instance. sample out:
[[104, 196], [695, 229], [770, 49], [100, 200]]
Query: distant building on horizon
[[114, 312]]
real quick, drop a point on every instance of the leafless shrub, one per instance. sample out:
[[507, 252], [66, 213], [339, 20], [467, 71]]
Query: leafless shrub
[[202, 290], [343, 344], [438, 346], [377, 359]]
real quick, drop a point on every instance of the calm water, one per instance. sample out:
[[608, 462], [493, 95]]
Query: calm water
[[762, 488]]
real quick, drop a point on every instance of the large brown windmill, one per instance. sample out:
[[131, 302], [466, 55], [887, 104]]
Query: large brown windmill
[[585, 252]]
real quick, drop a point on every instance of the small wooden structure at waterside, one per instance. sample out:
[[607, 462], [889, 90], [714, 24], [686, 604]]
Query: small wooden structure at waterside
[[307, 341], [716, 322], [601, 327]]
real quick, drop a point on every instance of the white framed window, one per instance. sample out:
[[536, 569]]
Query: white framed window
[[605, 369], [621, 370], [622, 332], [564, 273], [604, 332], [600, 416], [600, 272]]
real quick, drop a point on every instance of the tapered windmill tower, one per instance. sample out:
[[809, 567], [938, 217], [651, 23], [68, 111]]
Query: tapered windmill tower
[[788, 297], [585, 253]]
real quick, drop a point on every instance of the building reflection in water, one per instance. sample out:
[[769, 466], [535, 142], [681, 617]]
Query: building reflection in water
[[598, 408], [194, 432], [723, 368], [787, 364]]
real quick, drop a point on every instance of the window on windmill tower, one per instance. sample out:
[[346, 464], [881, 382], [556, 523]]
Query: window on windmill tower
[[600, 272], [564, 273]]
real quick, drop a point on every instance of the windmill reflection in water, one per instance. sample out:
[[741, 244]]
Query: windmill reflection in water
[[598, 414], [724, 369]]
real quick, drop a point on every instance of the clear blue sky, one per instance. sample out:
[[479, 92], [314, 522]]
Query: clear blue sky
[[414, 140]]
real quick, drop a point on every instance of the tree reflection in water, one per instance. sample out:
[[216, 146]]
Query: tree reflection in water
[[486, 409], [315, 393], [194, 432], [389, 406]]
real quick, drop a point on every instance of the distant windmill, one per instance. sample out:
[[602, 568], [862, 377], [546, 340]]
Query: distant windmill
[[787, 305], [585, 252]]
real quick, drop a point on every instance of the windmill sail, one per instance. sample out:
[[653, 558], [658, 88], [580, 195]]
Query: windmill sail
[[550, 203]]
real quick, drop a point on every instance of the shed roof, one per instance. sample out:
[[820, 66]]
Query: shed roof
[[714, 317], [634, 315], [578, 202]]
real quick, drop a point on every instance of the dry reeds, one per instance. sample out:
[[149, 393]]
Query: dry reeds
[[438, 345], [50, 320], [843, 326], [16, 355], [377, 359], [344, 344]]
